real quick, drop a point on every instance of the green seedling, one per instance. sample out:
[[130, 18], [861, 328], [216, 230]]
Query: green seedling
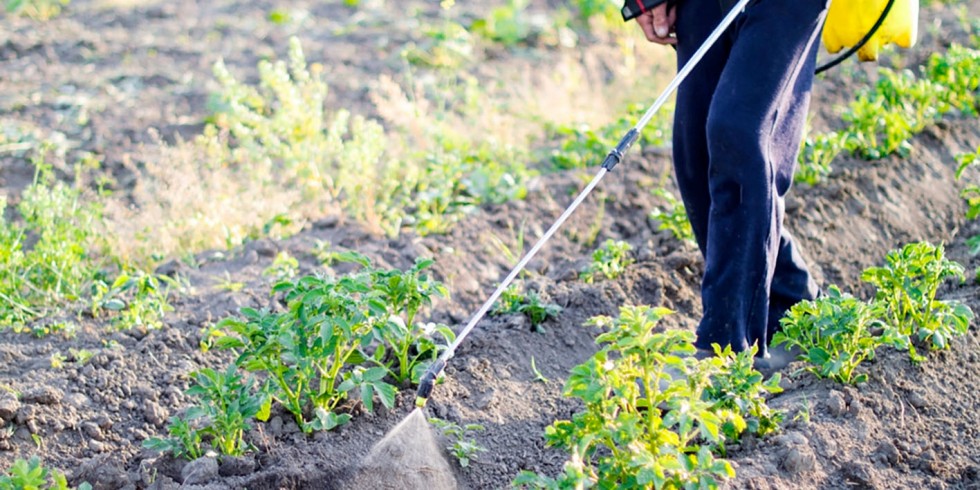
[[230, 285], [283, 267], [226, 405], [463, 444], [184, 441], [818, 153], [537, 374], [971, 194], [36, 9], [32, 475], [507, 24], [536, 310], [81, 356], [834, 334], [134, 300], [608, 261], [512, 300], [57, 360], [673, 216], [907, 286]]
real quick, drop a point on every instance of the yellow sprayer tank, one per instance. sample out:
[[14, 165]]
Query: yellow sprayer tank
[[848, 21]]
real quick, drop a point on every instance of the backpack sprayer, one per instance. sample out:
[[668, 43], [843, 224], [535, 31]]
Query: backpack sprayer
[[632, 9]]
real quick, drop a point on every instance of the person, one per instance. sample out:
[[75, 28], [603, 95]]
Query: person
[[738, 125]]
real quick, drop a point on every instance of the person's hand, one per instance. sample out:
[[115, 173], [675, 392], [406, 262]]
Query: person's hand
[[658, 24]]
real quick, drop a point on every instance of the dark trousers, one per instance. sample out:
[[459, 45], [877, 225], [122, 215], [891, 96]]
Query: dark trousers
[[737, 131]]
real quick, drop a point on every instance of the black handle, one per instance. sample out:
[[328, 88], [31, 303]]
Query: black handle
[[616, 155], [428, 381]]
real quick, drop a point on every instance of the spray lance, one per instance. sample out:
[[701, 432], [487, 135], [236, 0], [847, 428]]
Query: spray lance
[[614, 157]]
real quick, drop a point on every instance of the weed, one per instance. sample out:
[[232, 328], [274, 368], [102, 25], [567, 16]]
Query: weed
[[462, 445], [56, 268], [673, 216], [226, 404], [32, 475], [834, 333], [906, 292], [608, 261]]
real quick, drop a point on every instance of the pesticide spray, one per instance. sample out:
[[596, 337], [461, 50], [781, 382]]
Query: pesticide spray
[[409, 456]]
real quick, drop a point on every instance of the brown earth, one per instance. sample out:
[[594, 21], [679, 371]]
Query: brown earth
[[908, 427]]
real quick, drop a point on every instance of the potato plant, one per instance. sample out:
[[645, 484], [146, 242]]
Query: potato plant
[[608, 261], [530, 305], [339, 337], [462, 443], [835, 334], [907, 286], [227, 401], [654, 415]]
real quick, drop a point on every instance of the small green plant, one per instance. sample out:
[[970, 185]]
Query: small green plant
[[449, 44], [226, 404], [530, 305], [537, 374], [36, 9], [184, 441], [608, 261], [137, 299], [283, 267], [907, 286], [507, 24], [32, 475], [654, 415], [536, 310], [971, 194], [816, 156], [462, 443], [835, 335], [673, 216]]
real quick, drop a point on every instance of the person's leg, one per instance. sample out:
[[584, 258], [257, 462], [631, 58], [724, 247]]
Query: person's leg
[[759, 91], [695, 21]]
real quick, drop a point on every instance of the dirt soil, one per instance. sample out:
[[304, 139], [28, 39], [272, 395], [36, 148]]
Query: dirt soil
[[908, 427]]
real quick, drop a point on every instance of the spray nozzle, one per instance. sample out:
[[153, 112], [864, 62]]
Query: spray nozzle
[[428, 381]]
